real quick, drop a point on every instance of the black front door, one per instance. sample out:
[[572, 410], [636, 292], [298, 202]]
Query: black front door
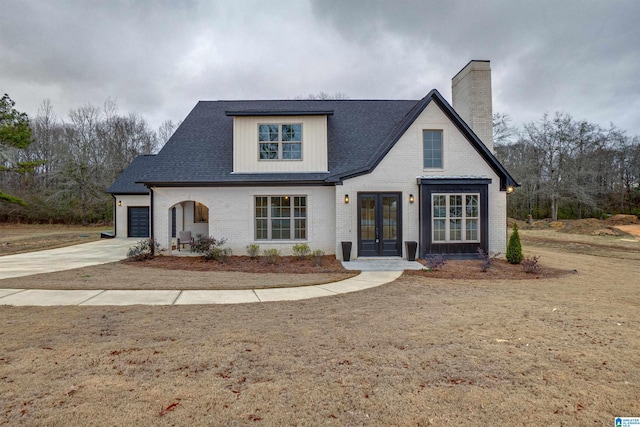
[[379, 224]]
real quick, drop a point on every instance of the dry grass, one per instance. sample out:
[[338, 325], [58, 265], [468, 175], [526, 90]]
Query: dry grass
[[20, 238], [418, 351]]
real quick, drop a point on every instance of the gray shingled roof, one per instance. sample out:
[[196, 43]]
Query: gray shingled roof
[[360, 133], [126, 183]]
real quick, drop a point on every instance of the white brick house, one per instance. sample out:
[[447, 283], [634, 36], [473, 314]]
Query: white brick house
[[373, 173]]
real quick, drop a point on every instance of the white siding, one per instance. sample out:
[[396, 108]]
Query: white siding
[[314, 145], [232, 214], [400, 168]]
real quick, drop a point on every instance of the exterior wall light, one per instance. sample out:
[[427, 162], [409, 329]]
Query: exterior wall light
[[510, 189], [411, 198], [346, 198], [119, 202]]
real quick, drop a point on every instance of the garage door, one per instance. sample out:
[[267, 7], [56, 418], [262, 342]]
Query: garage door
[[138, 224]]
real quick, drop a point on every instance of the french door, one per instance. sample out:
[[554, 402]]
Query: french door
[[379, 224]]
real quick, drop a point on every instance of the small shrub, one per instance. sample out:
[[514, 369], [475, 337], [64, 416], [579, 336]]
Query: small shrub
[[143, 250], [317, 257], [514, 248], [301, 251], [204, 244], [211, 248], [436, 262], [271, 256], [217, 254], [487, 259], [530, 265], [253, 250]]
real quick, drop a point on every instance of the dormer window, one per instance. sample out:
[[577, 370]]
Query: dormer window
[[280, 141]]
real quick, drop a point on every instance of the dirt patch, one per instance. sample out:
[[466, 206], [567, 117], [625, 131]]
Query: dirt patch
[[418, 351], [634, 230], [613, 226]]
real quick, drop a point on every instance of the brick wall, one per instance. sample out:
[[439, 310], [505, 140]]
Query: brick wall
[[471, 98], [120, 214], [232, 214], [404, 163]]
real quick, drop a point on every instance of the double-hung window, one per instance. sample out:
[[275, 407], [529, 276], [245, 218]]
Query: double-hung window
[[456, 218], [281, 217], [280, 141], [432, 149]]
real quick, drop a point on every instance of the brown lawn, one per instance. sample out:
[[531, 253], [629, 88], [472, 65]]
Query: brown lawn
[[538, 351], [19, 238]]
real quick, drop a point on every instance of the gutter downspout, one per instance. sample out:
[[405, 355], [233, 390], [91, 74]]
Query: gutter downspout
[[151, 220], [115, 215]]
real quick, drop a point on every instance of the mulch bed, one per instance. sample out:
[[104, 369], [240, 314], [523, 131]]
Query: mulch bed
[[471, 270], [286, 264], [454, 269]]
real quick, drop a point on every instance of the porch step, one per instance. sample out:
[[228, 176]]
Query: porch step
[[381, 264]]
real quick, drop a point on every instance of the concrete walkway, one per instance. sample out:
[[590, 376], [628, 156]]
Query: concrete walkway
[[42, 297], [101, 251], [375, 272]]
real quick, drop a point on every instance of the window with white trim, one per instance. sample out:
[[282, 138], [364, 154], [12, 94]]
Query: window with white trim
[[280, 141], [455, 218], [281, 217]]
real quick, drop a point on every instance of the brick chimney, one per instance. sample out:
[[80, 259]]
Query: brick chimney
[[471, 93]]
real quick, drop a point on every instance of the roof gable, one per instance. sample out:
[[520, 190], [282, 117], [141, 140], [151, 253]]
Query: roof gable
[[506, 179]]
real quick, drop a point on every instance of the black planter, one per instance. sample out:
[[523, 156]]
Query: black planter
[[411, 250], [346, 251]]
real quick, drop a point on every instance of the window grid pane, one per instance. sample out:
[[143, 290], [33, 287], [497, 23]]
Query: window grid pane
[[261, 229], [455, 206], [367, 218], [453, 221], [276, 214], [440, 206], [268, 133], [472, 206], [454, 229], [280, 141], [292, 133], [472, 229], [439, 230], [300, 229], [291, 150], [432, 148], [268, 151]]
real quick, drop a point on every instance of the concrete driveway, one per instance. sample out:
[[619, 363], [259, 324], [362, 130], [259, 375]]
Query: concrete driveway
[[93, 253]]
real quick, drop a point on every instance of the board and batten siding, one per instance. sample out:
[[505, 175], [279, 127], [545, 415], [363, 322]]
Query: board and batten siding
[[314, 145]]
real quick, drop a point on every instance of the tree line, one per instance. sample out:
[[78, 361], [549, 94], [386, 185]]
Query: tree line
[[568, 168], [56, 170]]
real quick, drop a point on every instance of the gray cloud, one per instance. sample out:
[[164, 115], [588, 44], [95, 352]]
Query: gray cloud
[[159, 58]]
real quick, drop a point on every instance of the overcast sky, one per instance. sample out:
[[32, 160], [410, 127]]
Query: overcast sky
[[158, 58]]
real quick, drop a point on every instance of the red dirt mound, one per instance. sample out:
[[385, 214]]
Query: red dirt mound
[[622, 220]]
